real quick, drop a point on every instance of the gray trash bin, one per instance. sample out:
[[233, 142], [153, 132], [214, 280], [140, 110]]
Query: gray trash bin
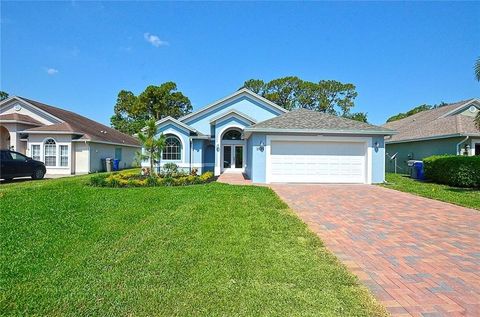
[[109, 164]]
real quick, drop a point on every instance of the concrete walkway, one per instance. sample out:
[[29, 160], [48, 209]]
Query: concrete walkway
[[419, 257]]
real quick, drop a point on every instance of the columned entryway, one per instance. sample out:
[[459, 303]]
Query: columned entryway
[[4, 138]]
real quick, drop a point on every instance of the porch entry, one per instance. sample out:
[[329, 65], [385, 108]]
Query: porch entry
[[232, 157]]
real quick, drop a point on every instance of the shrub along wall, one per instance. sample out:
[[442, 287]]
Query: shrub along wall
[[454, 170], [132, 179]]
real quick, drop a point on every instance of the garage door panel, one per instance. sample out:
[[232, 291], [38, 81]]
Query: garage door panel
[[319, 162]]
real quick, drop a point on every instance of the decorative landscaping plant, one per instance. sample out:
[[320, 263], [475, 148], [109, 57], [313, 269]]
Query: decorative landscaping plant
[[134, 179], [453, 170]]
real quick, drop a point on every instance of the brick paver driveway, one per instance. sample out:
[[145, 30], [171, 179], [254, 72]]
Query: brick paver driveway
[[418, 256]]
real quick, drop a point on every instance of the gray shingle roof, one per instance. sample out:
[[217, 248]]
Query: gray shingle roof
[[434, 123], [309, 120]]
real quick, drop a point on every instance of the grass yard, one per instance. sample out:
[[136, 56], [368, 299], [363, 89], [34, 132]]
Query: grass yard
[[211, 250], [460, 196]]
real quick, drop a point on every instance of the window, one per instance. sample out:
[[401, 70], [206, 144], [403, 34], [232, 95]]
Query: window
[[118, 153], [36, 152], [172, 149], [50, 150], [63, 155], [232, 135], [18, 157]]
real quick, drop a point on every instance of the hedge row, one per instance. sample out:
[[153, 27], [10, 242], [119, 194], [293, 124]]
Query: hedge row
[[454, 170], [130, 179]]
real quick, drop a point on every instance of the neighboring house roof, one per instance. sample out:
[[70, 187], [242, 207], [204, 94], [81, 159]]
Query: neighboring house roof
[[303, 120], [444, 121], [76, 124], [21, 118], [243, 91]]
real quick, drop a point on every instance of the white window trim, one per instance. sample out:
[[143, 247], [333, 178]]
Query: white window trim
[[167, 135], [42, 153], [472, 146], [31, 145]]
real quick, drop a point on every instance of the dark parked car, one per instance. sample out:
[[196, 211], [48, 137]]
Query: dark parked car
[[14, 164]]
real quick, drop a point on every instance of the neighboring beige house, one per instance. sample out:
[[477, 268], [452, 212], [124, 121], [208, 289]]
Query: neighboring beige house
[[66, 142]]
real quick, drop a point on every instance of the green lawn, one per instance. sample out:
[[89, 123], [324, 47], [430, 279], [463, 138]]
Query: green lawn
[[460, 196], [211, 250]]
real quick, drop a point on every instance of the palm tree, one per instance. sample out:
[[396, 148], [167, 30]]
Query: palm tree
[[152, 145]]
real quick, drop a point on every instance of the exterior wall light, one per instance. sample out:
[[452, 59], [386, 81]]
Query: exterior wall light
[[218, 147], [261, 147], [376, 145]]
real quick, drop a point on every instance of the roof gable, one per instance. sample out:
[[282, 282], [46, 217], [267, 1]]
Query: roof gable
[[20, 106], [233, 113], [169, 119], [236, 95], [462, 107]]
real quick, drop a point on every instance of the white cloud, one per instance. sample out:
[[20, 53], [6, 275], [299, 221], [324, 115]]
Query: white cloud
[[51, 71], [154, 40]]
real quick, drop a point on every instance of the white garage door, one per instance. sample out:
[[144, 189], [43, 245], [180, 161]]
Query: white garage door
[[317, 162]]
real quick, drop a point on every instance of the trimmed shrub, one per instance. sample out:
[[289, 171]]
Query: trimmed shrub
[[169, 169], [98, 180], [454, 170], [133, 179]]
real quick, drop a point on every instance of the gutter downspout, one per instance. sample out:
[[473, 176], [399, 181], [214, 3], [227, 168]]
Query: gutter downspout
[[89, 154], [191, 153], [460, 143]]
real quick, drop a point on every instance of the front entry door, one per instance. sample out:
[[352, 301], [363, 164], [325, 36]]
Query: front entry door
[[232, 156]]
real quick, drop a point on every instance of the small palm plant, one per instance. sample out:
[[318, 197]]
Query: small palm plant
[[151, 144]]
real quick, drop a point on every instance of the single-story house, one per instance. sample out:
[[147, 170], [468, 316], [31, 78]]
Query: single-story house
[[66, 142], [448, 129], [247, 133]]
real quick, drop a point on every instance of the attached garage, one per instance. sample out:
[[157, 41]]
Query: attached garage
[[304, 146], [317, 162]]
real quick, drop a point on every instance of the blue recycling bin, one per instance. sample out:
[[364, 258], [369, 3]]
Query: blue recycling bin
[[116, 164], [419, 173]]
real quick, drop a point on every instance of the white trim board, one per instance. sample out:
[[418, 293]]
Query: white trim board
[[232, 113], [174, 121]]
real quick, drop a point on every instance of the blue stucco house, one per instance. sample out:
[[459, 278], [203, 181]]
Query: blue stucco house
[[246, 133]]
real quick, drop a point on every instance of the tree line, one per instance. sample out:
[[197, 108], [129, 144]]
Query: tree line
[[131, 112]]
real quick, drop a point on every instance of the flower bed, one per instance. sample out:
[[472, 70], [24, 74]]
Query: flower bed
[[134, 179]]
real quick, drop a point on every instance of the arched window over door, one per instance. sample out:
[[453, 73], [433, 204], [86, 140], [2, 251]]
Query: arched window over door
[[232, 135]]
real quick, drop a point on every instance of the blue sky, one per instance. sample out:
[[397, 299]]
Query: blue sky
[[79, 55]]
